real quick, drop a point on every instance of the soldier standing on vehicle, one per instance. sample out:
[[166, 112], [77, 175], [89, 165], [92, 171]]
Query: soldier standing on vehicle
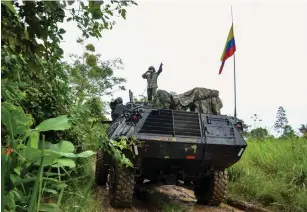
[[152, 77]]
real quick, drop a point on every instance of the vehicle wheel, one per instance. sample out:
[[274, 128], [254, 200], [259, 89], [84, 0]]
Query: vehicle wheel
[[212, 189], [101, 171], [121, 186]]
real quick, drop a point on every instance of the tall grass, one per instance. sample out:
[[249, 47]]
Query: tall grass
[[273, 173], [81, 193]]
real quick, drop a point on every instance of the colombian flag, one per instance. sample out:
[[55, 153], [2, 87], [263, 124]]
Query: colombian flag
[[229, 48]]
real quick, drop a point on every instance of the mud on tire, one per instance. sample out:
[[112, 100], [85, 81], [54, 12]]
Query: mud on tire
[[121, 186], [101, 171], [212, 189]]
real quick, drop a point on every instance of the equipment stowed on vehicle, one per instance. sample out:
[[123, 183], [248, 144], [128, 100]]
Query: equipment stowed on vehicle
[[178, 147]]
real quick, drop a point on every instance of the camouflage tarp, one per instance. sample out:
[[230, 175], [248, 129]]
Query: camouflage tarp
[[196, 94], [211, 106], [162, 99], [202, 99]]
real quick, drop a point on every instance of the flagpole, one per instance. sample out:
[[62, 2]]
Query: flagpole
[[234, 76]]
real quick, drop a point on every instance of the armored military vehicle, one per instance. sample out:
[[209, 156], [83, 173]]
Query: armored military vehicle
[[178, 147]]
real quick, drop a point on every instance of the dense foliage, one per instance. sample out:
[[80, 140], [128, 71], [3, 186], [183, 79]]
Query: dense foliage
[[62, 100]]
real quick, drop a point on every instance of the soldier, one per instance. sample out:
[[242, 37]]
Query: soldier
[[152, 76], [113, 104]]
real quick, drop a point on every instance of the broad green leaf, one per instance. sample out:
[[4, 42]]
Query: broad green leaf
[[123, 13], [17, 170], [47, 145], [62, 31], [34, 139], [67, 155], [14, 178], [9, 200], [58, 123], [86, 154], [65, 162], [63, 146], [48, 160], [34, 155], [15, 119], [16, 194]]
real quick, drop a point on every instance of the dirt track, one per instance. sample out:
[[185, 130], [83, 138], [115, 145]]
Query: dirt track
[[175, 197]]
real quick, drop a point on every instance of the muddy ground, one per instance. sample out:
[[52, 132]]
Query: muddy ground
[[161, 198]]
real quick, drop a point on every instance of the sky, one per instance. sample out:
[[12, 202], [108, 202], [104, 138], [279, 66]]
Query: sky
[[188, 37]]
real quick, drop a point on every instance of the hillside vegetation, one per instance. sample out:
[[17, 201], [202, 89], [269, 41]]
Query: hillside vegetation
[[273, 173]]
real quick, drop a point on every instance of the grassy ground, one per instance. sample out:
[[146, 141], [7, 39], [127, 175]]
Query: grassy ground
[[273, 173], [80, 196]]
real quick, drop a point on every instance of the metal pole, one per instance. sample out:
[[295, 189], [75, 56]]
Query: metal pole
[[130, 96], [234, 76]]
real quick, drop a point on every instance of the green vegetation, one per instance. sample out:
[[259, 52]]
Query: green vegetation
[[273, 173], [51, 109]]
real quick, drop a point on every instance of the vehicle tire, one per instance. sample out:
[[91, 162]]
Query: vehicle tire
[[212, 189], [101, 171], [121, 186]]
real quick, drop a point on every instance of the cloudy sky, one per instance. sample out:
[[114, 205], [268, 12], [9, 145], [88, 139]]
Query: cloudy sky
[[189, 37]]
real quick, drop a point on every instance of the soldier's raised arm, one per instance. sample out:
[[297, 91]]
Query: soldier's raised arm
[[160, 68], [144, 75]]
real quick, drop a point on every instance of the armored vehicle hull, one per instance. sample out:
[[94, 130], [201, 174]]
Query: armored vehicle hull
[[177, 147]]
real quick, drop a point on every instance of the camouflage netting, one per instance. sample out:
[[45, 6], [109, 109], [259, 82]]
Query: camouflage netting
[[162, 99], [200, 99]]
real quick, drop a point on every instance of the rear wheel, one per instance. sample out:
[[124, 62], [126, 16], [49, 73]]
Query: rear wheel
[[121, 186], [212, 189], [102, 169]]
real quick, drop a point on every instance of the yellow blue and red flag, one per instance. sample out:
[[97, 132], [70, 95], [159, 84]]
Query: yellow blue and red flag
[[229, 49]]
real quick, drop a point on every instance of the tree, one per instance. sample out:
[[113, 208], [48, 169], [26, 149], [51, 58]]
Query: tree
[[288, 133], [92, 77], [281, 120], [259, 133], [303, 130], [255, 119]]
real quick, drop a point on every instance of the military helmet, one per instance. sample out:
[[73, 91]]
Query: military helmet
[[151, 68], [119, 100]]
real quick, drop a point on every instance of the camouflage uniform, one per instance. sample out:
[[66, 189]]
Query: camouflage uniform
[[152, 81]]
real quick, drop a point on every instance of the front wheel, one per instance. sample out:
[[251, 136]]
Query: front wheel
[[121, 186], [212, 189]]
